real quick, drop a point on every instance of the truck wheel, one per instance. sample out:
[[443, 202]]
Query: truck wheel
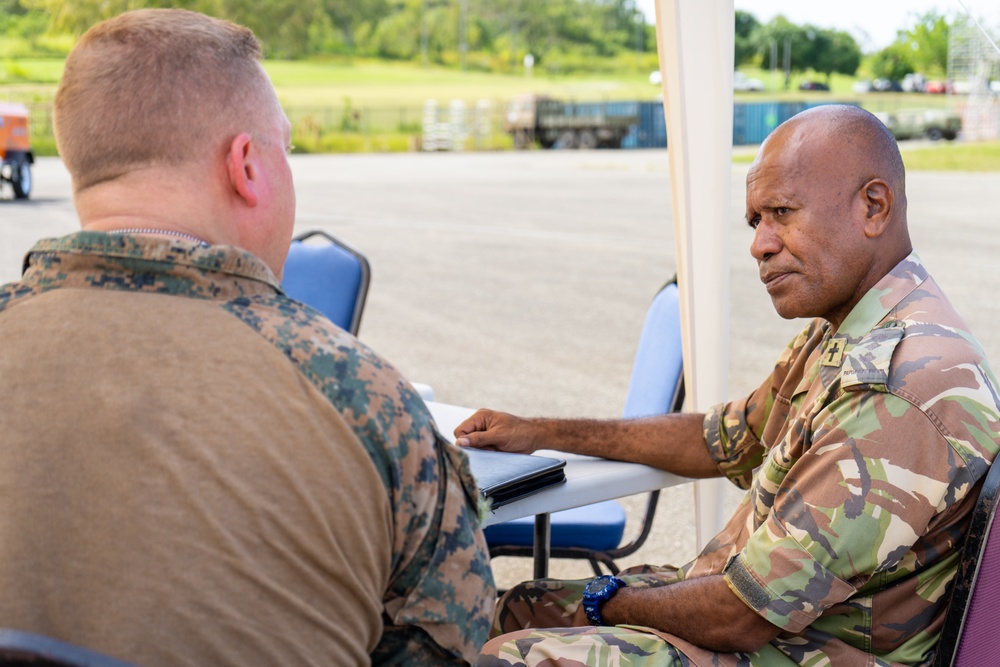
[[20, 178], [521, 140], [934, 134], [587, 140], [567, 139]]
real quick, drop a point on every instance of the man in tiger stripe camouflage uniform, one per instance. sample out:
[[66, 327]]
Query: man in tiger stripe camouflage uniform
[[862, 452]]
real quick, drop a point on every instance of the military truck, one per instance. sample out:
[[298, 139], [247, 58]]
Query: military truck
[[933, 124], [16, 156], [552, 123]]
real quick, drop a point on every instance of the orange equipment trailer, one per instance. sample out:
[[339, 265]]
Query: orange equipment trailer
[[16, 156]]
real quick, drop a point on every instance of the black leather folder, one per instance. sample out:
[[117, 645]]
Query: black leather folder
[[504, 477]]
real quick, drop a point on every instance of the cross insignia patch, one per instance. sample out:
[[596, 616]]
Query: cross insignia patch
[[833, 354]]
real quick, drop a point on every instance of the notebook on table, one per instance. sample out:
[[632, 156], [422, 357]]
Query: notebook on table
[[504, 477]]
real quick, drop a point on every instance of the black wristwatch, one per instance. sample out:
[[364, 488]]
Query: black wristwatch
[[596, 593]]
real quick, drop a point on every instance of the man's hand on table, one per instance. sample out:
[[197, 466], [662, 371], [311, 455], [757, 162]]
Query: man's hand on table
[[488, 429]]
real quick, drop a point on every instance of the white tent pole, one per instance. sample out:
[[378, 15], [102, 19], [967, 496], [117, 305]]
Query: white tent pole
[[696, 41]]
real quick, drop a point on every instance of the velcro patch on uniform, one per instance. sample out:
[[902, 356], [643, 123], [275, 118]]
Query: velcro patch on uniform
[[868, 361], [744, 584]]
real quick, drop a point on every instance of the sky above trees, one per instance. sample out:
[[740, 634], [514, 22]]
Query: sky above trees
[[872, 23]]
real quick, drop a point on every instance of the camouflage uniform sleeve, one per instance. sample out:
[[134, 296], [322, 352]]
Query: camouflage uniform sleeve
[[441, 593], [851, 506], [443, 597], [734, 430]]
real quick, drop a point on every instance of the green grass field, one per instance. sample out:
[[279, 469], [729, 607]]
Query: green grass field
[[953, 157], [379, 83], [940, 156], [321, 97], [368, 83]]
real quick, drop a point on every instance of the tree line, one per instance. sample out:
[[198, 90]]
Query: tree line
[[921, 48], [482, 34], [562, 36]]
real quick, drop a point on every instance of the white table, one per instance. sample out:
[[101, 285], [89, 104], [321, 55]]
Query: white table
[[588, 480]]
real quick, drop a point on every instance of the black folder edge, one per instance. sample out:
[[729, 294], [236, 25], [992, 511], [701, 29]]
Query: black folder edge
[[504, 477]]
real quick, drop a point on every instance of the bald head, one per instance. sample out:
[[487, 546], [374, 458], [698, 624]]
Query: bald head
[[846, 140]]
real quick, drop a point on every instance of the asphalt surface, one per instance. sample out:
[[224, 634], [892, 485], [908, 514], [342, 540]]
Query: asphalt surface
[[520, 280]]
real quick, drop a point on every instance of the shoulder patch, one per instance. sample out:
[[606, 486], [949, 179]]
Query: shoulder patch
[[867, 362]]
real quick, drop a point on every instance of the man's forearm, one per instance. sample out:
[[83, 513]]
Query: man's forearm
[[704, 611], [672, 442]]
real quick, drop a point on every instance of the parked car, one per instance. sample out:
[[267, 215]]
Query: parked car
[[915, 123], [886, 86], [937, 87], [863, 86], [914, 83], [744, 83], [813, 85]]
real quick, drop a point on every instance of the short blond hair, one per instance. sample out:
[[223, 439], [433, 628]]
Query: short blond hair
[[155, 87]]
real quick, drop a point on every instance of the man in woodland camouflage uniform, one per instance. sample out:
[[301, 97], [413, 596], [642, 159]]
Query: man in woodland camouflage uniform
[[861, 452], [198, 470]]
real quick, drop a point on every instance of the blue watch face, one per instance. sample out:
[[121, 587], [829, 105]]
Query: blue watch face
[[601, 587]]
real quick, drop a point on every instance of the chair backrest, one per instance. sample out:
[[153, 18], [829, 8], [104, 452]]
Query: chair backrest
[[656, 386], [970, 636], [24, 649], [328, 275]]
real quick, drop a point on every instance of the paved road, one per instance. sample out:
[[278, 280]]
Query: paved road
[[520, 280]]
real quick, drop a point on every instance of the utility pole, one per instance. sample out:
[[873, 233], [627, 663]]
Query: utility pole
[[774, 62], [423, 33], [463, 21], [788, 61]]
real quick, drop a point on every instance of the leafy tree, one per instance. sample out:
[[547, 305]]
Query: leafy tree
[[893, 62], [348, 15], [928, 40], [746, 24], [11, 8], [402, 29], [398, 34], [281, 25], [833, 51], [780, 39]]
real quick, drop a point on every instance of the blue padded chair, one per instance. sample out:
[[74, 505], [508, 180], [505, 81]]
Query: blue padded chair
[[594, 532], [24, 649], [970, 636], [328, 275]]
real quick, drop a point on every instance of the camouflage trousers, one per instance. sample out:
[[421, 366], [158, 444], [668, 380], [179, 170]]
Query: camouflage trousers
[[533, 626]]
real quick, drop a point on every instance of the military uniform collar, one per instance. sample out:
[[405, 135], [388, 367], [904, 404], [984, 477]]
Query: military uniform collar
[[142, 253], [859, 353], [881, 299]]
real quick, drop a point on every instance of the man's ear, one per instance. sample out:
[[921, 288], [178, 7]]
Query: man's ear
[[242, 166], [877, 198]]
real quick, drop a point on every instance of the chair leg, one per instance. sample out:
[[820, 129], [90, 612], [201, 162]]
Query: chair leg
[[597, 559]]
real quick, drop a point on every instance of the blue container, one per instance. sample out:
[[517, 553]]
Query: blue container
[[752, 122], [651, 131]]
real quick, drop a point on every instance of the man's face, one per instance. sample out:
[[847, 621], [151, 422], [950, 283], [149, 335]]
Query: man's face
[[803, 204]]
